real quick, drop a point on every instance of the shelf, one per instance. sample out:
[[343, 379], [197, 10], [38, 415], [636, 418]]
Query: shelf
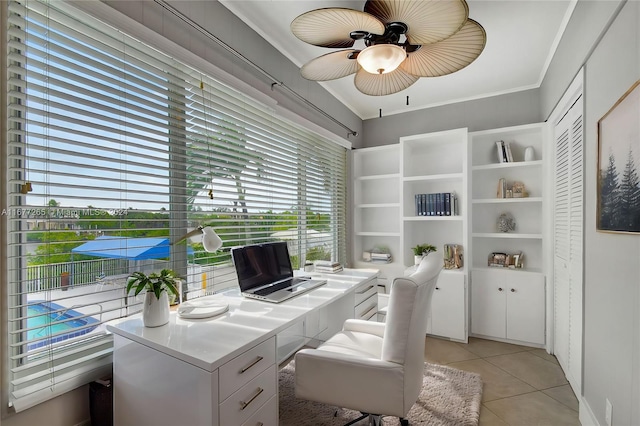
[[380, 205], [460, 271], [507, 200], [378, 234], [511, 235], [519, 270], [516, 164], [379, 177], [430, 178], [430, 218]]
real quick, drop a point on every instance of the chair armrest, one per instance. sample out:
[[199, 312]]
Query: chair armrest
[[369, 327], [363, 384]]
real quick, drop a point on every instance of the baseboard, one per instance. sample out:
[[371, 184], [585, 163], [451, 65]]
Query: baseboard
[[585, 415]]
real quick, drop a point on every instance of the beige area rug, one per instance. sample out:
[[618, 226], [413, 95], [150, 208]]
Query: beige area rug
[[449, 397]]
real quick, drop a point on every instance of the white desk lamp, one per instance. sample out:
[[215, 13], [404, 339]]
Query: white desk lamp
[[198, 308], [210, 240]]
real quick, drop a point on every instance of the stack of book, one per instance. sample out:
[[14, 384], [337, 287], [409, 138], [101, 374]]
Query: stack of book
[[327, 266], [504, 152], [381, 257], [438, 204]]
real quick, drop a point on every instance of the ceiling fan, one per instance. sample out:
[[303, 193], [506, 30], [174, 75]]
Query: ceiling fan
[[404, 40]]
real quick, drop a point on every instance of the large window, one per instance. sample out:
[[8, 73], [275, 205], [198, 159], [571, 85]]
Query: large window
[[117, 150]]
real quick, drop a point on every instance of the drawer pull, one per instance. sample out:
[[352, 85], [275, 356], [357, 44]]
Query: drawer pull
[[369, 309], [246, 404], [373, 311], [364, 291], [252, 364]]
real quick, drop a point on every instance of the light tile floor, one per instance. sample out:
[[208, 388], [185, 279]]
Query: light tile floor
[[522, 385]]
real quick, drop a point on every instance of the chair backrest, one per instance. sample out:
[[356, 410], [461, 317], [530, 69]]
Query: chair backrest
[[406, 322]]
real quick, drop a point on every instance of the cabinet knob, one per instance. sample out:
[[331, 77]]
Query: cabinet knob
[[513, 290], [499, 288], [437, 288]]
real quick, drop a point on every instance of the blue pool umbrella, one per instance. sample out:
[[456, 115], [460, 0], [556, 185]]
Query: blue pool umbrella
[[127, 248]]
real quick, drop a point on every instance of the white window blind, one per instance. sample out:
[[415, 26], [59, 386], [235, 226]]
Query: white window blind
[[115, 151]]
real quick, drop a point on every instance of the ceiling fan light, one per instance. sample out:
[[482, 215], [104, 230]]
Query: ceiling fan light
[[381, 58]]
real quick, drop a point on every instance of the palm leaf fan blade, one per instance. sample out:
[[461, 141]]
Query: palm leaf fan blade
[[447, 56], [332, 27], [428, 21], [330, 66], [383, 84]]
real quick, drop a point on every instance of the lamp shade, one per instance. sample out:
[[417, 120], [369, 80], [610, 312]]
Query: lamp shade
[[210, 240], [381, 58]]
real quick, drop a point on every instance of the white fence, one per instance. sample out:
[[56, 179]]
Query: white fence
[[200, 278]]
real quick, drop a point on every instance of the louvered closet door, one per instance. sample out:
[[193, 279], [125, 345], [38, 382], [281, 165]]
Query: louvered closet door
[[568, 241]]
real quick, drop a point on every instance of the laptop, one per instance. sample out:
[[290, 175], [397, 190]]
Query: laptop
[[265, 273]]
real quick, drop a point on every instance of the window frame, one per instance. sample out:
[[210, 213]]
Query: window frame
[[108, 14]]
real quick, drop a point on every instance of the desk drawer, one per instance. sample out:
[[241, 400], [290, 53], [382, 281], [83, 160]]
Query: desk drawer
[[364, 291], [368, 308], [240, 406], [240, 370], [267, 415]]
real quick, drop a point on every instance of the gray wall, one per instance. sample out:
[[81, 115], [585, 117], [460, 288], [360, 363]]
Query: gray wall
[[612, 267], [218, 20], [604, 37], [588, 22], [488, 113]]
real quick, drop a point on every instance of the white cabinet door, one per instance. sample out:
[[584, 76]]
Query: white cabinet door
[[488, 304], [525, 307], [448, 317], [508, 304]]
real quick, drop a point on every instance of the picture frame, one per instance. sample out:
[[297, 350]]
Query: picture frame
[[618, 188]]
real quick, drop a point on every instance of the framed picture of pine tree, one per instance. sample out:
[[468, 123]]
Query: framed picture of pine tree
[[619, 165]]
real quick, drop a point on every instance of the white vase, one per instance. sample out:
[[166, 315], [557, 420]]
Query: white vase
[[417, 259], [529, 154], [155, 311]]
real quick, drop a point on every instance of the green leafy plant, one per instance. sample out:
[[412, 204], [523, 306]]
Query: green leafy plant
[[421, 249], [154, 282]]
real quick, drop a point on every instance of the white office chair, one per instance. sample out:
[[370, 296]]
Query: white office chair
[[375, 368]]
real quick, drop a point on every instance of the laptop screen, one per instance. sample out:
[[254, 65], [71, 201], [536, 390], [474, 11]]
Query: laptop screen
[[261, 264]]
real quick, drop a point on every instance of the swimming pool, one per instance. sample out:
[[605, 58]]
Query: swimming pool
[[68, 324]]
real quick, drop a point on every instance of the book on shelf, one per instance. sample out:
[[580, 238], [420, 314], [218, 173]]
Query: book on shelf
[[326, 263], [328, 270], [380, 256], [509, 154], [436, 204], [502, 152], [447, 203], [327, 266]]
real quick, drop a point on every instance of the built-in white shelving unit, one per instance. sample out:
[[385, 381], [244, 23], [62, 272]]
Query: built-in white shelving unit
[[376, 179], [437, 163], [503, 304], [508, 304]]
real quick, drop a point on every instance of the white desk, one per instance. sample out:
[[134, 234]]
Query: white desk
[[223, 370]]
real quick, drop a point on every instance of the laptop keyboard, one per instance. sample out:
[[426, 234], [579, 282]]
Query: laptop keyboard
[[282, 285]]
